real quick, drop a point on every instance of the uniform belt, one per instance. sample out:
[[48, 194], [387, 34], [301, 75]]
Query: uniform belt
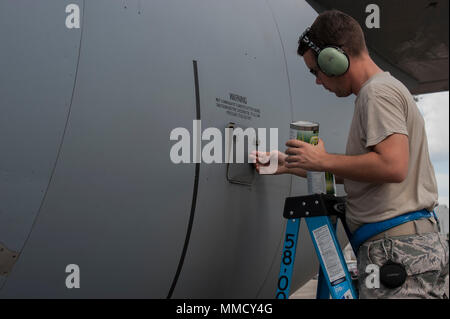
[[414, 227], [370, 230]]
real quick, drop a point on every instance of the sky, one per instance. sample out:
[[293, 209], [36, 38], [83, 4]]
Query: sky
[[434, 108]]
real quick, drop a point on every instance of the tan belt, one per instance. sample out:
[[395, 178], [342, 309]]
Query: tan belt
[[414, 227]]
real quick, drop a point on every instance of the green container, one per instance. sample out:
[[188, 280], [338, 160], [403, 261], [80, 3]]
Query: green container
[[305, 131], [309, 132]]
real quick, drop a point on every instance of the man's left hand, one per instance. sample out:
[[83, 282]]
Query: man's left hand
[[306, 156]]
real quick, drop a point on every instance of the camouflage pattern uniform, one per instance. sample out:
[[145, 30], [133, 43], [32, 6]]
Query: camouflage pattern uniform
[[425, 258]]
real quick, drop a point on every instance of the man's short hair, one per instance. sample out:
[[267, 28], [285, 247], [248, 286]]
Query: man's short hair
[[336, 28]]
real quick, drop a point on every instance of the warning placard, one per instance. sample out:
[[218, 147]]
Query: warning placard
[[237, 106]]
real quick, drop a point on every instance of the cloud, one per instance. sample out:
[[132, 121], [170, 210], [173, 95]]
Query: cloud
[[443, 200], [435, 111], [443, 182]]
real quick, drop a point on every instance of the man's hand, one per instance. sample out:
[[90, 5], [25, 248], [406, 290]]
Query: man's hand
[[306, 156], [262, 161]]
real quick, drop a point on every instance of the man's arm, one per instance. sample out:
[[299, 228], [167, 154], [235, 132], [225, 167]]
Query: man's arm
[[386, 163], [262, 159]]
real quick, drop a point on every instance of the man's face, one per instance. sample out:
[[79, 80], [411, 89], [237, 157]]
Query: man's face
[[338, 85]]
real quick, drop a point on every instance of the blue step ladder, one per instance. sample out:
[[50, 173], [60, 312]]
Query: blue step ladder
[[320, 212]]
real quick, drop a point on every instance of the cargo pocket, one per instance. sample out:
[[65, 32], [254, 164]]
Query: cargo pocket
[[423, 257]]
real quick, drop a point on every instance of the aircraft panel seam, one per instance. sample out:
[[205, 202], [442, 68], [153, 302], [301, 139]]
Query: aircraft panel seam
[[62, 138]]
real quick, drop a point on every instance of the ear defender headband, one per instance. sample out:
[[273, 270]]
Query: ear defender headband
[[331, 59]]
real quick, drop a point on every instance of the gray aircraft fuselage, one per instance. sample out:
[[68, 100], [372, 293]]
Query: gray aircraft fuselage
[[85, 173]]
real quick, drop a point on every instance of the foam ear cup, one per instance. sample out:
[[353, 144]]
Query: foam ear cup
[[333, 61]]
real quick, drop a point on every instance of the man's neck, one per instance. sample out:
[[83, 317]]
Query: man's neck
[[363, 68]]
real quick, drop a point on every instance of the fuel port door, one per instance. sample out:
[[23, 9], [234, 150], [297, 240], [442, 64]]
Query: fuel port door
[[239, 143]]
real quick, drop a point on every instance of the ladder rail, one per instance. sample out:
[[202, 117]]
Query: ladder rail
[[331, 258], [288, 258]]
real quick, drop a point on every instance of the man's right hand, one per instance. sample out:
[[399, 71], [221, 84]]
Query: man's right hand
[[262, 162]]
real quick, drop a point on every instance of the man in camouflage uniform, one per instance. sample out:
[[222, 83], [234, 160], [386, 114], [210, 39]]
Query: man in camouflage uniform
[[386, 170]]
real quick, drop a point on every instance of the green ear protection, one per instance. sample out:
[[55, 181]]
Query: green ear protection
[[331, 59]]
